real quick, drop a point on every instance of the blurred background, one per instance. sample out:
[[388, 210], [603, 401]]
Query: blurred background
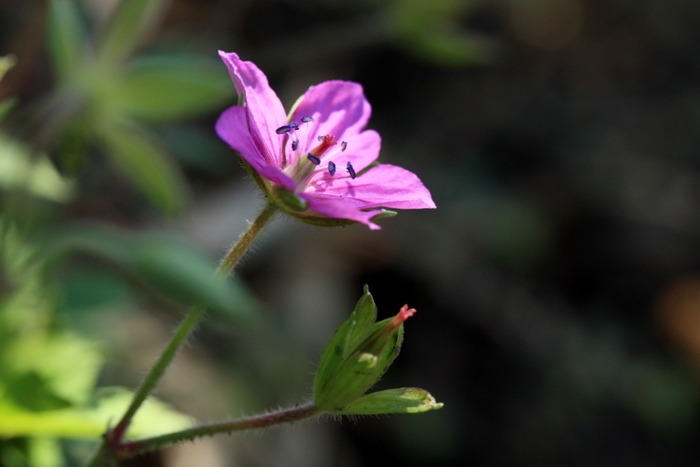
[[557, 284]]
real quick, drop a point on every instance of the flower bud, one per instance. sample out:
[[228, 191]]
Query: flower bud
[[358, 354]]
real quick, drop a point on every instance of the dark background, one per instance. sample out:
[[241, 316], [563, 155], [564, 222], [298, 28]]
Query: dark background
[[557, 284]]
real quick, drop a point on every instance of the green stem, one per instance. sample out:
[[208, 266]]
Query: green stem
[[239, 248], [288, 415], [114, 436]]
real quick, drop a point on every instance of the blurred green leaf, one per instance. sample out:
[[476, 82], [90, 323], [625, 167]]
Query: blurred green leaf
[[184, 274], [131, 21], [66, 36], [154, 418], [36, 175], [146, 164], [49, 371], [197, 147], [173, 87], [88, 288], [6, 62], [161, 263], [44, 451], [433, 31]]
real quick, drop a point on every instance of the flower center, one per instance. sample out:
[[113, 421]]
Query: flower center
[[299, 165]]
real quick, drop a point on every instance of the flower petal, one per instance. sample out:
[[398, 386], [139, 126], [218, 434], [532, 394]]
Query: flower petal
[[385, 186], [336, 208], [338, 107], [232, 127], [264, 109]]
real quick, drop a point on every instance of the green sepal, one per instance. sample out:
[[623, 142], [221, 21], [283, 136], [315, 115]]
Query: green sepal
[[385, 213], [289, 201], [346, 337], [363, 317], [358, 355], [390, 401]]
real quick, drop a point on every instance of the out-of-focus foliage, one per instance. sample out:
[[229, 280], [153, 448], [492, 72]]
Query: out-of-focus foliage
[[556, 284], [160, 263], [18, 170], [104, 92], [48, 373], [433, 31]]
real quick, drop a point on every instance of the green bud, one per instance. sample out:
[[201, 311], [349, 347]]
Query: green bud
[[358, 354], [400, 400]]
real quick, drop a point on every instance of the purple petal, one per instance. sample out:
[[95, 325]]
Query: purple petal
[[232, 127], [338, 107], [385, 186], [336, 208], [265, 111]]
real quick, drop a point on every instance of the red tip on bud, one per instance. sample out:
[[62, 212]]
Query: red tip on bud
[[404, 313]]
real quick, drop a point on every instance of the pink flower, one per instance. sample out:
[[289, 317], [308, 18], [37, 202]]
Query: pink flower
[[318, 162]]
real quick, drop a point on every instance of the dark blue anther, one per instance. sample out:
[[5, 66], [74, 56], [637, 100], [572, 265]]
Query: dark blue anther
[[307, 119], [293, 126], [351, 170], [283, 129], [321, 137], [343, 146], [331, 167], [295, 144], [313, 159]]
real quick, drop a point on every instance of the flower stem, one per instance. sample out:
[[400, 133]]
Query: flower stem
[[288, 415], [239, 248], [114, 437]]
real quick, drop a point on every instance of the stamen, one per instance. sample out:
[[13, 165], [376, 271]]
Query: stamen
[[295, 144], [307, 119], [351, 170], [283, 129], [287, 128], [313, 159], [343, 146], [321, 137], [331, 167]]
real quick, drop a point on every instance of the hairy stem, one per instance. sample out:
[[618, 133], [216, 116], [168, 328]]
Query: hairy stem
[[115, 436], [288, 415]]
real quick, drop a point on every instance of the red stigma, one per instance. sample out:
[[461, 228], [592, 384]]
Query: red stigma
[[327, 142], [404, 313]]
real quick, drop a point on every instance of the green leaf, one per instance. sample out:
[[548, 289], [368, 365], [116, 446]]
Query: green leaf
[[131, 21], [6, 63], [50, 371], [400, 400], [146, 164], [173, 87], [66, 37], [37, 175], [181, 273], [433, 30], [153, 418], [163, 264]]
